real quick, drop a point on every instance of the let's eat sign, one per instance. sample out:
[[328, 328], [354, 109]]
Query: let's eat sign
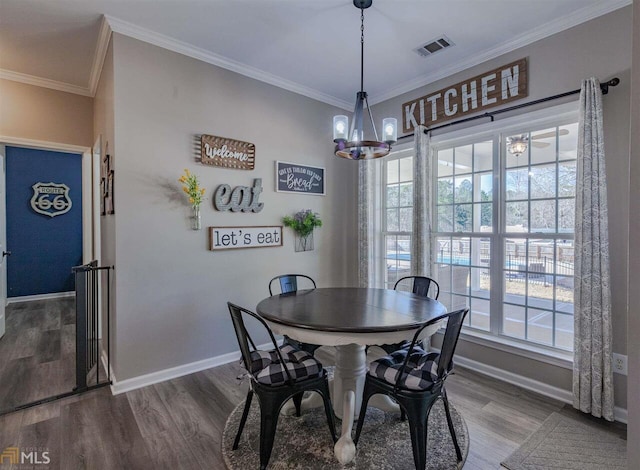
[[229, 238], [496, 87]]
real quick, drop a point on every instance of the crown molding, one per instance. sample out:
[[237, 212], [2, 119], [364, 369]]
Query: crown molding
[[44, 82], [43, 144], [166, 42], [553, 27], [98, 58]]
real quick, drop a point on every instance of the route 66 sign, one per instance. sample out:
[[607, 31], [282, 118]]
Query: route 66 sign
[[50, 199]]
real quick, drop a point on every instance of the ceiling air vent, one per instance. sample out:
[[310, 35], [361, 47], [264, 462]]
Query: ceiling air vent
[[434, 46]]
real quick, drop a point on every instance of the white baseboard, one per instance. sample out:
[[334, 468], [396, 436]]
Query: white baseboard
[[565, 396], [560, 394], [174, 372], [29, 298]]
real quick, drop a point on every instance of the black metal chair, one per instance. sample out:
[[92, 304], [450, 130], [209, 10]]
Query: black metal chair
[[276, 376], [415, 379], [422, 285], [289, 283]]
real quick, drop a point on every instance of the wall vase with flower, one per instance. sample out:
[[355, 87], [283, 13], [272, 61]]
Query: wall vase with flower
[[195, 193], [303, 223]]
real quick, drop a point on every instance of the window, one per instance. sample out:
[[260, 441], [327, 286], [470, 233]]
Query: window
[[397, 202], [502, 239], [504, 232]]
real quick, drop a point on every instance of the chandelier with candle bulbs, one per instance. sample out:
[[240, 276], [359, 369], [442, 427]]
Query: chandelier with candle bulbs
[[350, 141]]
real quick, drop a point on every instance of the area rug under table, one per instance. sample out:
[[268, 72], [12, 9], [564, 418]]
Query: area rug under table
[[564, 442], [305, 442]]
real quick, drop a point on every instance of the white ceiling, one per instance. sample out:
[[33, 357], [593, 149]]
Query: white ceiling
[[311, 47]]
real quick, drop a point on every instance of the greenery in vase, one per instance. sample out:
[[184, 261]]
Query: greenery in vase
[[303, 222], [192, 188]]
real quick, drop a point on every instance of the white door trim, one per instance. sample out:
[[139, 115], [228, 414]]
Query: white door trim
[[87, 182], [43, 144], [3, 242]]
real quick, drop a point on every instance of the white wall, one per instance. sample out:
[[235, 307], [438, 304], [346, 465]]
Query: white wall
[[633, 339], [170, 305], [600, 48]]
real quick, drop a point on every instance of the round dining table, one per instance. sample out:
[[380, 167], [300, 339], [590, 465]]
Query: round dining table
[[350, 318]]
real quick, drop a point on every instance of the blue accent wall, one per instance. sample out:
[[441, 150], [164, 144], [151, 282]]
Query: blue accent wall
[[43, 248]]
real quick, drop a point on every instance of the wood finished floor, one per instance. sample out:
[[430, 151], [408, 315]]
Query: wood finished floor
[[178, 424], [37, 352]]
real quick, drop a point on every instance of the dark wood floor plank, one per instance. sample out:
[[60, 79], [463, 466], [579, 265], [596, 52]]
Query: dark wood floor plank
[[199, 430], [167, 447], [41, 413], [105, 433], [17, 382], [211, 400], [68, 341], [45, 352], [225, 378], [50, 319], [48, 348], [10, 426], [81, 439], [40, 437], [26, 342]]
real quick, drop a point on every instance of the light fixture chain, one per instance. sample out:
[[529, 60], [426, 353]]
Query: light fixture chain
[[361, 49]]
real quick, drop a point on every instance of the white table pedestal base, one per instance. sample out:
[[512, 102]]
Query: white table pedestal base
[[346, 395]]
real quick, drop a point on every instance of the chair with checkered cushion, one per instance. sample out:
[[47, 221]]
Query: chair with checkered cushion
[[415, 380], [268, 369], [419, 285], [289, 283], [276, 376]]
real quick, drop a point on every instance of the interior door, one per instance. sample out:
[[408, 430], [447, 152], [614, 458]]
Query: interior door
[[3, 248]]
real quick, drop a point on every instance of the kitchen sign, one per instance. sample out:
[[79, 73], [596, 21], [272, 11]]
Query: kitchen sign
[[296, 178], [227, 153], [228, 238], [494, 88]]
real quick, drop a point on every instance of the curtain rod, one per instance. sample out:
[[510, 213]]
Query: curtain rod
[[603, 86]]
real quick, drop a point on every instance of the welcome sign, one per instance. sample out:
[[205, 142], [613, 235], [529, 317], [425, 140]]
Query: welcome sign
[[227, 153], [493, 88], [296, 178]]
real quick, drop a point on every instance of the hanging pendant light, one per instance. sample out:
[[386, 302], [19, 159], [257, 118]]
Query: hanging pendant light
[[350, 142]]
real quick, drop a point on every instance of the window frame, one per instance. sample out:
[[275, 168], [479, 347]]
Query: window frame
[[555, 116], [400, 152]]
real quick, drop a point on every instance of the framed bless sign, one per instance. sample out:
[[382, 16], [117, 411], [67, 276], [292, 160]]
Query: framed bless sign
[[296, 178]]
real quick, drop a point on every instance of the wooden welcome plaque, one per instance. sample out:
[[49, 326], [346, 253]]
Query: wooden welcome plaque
[[227, 153]]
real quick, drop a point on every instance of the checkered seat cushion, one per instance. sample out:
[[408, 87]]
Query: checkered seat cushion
[[422, 368], [267, 369]]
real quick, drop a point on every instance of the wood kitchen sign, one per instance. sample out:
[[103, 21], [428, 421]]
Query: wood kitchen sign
[[227, 153], [493, 88]]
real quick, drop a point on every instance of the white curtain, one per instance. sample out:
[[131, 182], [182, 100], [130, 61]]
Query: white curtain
[[366, 184], [592, 367], [421, 233]]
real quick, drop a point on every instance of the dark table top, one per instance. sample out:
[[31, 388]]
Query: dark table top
[[350, 309]]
